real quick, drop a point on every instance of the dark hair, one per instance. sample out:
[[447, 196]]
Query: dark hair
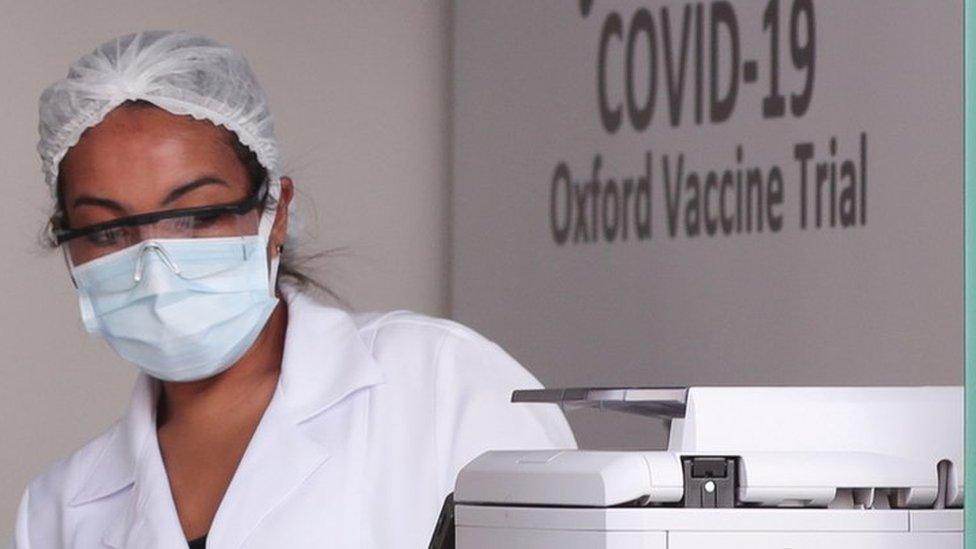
[[290, 266]]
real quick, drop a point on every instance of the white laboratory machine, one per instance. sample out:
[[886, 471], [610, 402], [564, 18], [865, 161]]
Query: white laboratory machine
[[745, 468]]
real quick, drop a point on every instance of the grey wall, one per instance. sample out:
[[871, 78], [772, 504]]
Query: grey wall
[[359, 91]]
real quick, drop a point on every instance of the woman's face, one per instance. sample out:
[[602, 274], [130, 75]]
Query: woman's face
[[143, 159]]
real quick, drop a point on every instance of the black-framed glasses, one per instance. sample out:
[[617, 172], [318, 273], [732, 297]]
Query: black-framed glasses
[[85, 244]]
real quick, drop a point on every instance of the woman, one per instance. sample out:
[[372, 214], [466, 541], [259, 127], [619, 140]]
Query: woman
[[261, 418]]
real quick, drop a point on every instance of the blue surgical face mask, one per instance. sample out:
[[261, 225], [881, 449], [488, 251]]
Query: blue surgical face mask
[[180, 309]]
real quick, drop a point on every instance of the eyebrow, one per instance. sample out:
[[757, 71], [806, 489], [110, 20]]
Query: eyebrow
[[86, 200], [182, 190], [174, 195]]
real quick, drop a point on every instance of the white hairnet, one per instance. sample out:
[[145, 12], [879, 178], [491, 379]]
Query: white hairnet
[[181, 72]]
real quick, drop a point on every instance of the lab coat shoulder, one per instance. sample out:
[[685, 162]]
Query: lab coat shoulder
[[49, 499], [466, 380]]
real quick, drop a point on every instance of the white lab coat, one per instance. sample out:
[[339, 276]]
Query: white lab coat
[[373, 416]]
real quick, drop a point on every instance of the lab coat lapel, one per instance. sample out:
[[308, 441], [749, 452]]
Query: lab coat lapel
[[277, 461], [324, 360], [150, 520]]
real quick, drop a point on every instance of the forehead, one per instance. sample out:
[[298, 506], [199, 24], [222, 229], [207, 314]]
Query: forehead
[[147, 150]]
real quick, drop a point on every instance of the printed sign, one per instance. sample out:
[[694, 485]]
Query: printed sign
[[760, 192]]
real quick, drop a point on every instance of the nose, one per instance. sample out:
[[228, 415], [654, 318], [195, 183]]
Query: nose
[[153, 247]]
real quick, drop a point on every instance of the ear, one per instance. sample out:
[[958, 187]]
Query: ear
[[280, 228]]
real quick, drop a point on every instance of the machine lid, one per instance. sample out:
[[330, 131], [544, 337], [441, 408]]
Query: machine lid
[[660, 402]]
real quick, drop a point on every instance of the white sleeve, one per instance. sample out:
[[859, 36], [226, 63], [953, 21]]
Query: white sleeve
[[21, 535], [475, 380]]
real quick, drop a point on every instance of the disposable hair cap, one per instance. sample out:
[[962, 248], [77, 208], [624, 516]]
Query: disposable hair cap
[[181, 72]]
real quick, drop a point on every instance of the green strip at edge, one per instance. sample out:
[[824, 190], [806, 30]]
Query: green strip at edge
[[969, 260]]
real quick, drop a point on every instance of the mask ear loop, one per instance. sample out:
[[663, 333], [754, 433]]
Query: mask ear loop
[[264, 231], [84, 303], [70, 265]]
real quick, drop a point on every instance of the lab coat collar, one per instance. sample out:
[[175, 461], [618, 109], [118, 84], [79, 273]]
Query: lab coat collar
[[150, 520], [324, 361], [327, 359], [114, 469]]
